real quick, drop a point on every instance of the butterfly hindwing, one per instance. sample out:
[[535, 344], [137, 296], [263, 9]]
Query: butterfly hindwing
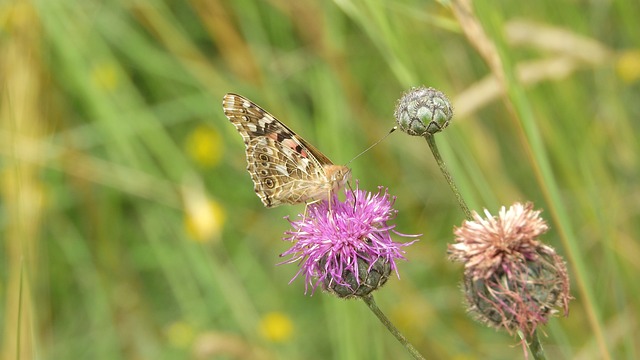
[[285, 169]]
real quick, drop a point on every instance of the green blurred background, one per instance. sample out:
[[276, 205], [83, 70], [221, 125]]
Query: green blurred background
[[130, 229]]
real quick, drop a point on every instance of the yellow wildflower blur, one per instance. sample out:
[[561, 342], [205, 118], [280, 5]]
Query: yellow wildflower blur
[[628, 66], [105, 76], [180, 334], [204, 146], [204, 219], [276, 327]]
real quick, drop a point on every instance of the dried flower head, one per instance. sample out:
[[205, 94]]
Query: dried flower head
[[512, 280], [346, 246], [423, 111]]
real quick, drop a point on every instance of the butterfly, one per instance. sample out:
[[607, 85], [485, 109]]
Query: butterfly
[[285, 168]]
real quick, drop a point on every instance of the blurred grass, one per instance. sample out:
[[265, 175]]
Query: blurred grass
[[128, 213]]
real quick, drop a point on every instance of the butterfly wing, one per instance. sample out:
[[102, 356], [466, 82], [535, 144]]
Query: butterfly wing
[[284, 168]]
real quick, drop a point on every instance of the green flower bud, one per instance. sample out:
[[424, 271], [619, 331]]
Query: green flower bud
[[423, 111]]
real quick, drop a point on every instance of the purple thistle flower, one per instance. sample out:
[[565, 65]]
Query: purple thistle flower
[[336, 240]]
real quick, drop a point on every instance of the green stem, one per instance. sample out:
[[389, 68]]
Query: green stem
[[443, 168], [535, 346], [20, 300], [389, 325]]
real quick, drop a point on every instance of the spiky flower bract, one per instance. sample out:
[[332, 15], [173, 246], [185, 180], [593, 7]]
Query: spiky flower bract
[[512, 280], [346, 245]]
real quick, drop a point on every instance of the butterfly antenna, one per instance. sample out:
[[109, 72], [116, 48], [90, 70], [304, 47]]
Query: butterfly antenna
[[353, 191], [374, 144]]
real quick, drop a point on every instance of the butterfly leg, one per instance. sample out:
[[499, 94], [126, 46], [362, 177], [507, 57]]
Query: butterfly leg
[[304, 215], [306, 206]]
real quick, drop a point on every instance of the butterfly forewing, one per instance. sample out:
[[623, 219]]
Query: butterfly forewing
[[285, 169]]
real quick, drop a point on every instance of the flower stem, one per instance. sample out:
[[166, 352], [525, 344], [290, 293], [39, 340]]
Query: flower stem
[[535, 346], [368, 299], [443, 168]]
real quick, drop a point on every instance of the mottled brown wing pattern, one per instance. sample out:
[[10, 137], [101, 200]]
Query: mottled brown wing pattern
[[285, 169]]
